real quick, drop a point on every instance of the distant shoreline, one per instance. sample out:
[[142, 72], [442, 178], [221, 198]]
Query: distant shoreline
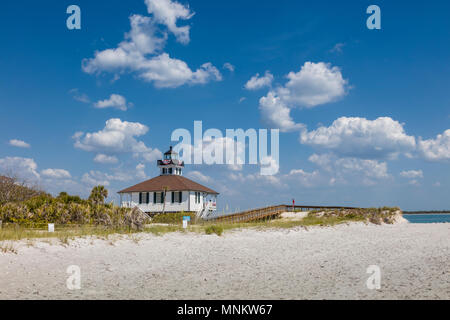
[[426, 212]]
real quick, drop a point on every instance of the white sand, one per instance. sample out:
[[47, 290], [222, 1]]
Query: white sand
[[319, 263]]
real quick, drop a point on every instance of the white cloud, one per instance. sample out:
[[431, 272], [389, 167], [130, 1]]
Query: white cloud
[[258, 179], [94, 178], [304, 178], [56, 174], [149, 155], [256, 82], [354, 170], [142, 50], [315, 84], [338, 47], [276, 114], [140, 171], [24, 168], [114, 101], [103, 158], [436, 149], [167, 12], [228, 66], [19, 143], [116, 137], [362, 138], [412, 174], [142, 39], [198, 176], [78, 96], [167, 72]]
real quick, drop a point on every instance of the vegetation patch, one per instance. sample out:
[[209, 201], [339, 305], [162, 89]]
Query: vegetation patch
[[173, 218], [214, 229]]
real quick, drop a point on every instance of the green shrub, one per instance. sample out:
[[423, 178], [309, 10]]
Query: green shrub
[[214, 229], [65, 209], [173, 217]]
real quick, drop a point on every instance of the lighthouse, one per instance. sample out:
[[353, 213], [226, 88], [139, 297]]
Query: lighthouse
[[170, 191], [170, 164]]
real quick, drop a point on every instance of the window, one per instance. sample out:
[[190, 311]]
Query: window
[[140, 197], [158, 197], [170, 170], [176, 197], [197, 197], [147, 198]]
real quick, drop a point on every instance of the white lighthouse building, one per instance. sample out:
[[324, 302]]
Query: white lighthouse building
[[170, 191]]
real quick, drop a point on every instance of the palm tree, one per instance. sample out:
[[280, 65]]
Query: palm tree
[[98, 194], [165, 189]]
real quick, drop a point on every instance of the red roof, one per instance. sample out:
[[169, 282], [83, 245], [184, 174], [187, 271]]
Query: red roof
[[172, 182]]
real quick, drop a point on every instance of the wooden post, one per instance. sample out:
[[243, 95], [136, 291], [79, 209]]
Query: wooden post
[[165, 188]]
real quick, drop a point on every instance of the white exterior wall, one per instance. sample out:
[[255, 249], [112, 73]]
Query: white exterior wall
[[196, 206], [131, 200]]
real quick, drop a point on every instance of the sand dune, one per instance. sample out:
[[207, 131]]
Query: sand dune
[[318, 263]]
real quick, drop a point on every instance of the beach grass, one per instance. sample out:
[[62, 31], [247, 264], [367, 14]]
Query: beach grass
[[65, 233]]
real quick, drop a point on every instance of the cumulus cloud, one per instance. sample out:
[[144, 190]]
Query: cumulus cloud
[[345, 170], [18, 143], [304, 178], [142, 50], [78, 96], [257, 179], [114, 101], [362, 138], [167, 12], [437, 149], [412, 174], [167, 72], [116, 137], [198, 176], [276, 114], [140, 171], [256, 82], [25, 168], [228, 66], [94, 178], [103, 158], [56, 174], [315, 84]]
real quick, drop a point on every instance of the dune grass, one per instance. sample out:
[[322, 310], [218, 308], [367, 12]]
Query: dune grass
[[65, 233]]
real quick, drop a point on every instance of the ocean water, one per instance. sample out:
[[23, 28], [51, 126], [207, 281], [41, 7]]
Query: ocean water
[[427, 218]]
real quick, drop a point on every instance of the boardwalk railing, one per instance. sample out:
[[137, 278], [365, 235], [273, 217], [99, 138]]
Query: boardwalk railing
[[272, 211]]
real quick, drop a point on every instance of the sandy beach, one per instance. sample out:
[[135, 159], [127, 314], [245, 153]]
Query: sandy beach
[[317, 263]]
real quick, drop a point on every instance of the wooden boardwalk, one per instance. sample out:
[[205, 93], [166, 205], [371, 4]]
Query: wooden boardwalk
[[266, 212]]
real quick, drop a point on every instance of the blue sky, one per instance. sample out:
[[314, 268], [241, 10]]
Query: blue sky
[[363, 117]]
